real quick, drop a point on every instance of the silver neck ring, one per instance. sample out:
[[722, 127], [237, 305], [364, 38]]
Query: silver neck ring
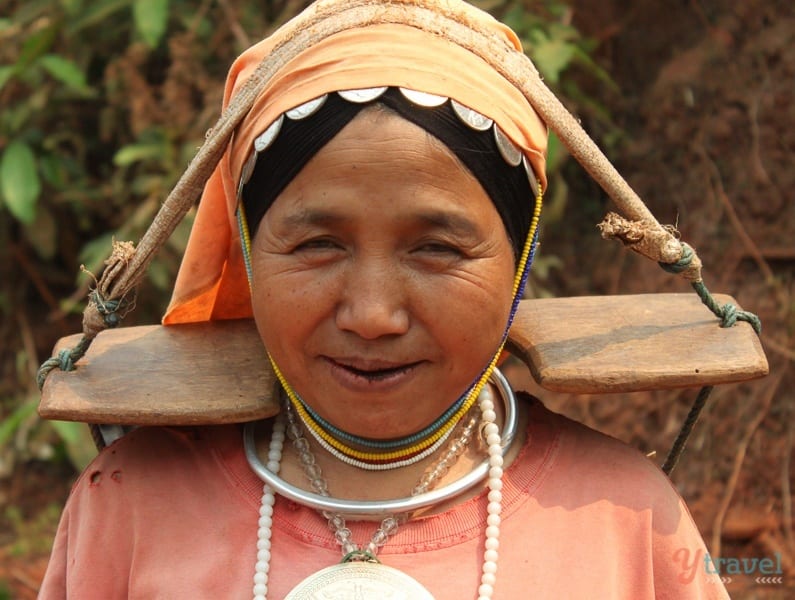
[[382, 508]]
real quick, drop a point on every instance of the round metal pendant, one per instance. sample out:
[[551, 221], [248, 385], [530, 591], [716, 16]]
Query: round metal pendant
[[307, 109], [266, 138], [362, 96], [509, 151], [423, 99], [359, 581]]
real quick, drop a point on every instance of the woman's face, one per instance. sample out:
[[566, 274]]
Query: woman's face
[[382, 278]]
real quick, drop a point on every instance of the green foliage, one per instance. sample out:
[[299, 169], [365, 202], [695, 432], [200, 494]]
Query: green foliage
[[102, 105], [151, 18], [19, 181], [12, 422], [33, 536]]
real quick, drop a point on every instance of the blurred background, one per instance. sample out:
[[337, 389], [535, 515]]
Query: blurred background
[[104, 102]]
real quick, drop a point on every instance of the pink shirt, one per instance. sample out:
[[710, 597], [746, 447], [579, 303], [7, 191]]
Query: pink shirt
[[172, 513]]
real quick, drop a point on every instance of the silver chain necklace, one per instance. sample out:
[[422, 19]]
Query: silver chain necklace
[[389, 525]]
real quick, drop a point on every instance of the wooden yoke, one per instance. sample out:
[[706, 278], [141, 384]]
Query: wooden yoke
[[218, 372]]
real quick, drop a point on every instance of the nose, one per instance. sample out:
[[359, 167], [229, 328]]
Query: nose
[[373, 302]]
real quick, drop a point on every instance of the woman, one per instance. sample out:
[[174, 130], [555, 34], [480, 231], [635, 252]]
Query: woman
[[376, 214]]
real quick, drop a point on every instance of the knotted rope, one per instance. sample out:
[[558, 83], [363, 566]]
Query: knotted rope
[[728, 313]]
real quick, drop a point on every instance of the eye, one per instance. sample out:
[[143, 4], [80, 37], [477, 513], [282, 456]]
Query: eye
[[440, 248], [322, 244]]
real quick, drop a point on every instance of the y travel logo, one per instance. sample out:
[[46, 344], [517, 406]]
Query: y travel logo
[[764, 571]]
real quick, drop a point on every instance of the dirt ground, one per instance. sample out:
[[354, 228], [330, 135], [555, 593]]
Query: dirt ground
[[705, 111]]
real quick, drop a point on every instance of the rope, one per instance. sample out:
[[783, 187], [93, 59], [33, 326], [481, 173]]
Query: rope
[[65, 360], [110, 311], [687, 428], [728, 313]]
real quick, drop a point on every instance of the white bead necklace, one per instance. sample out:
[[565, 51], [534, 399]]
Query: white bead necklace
[[265, 527], [491, 433]]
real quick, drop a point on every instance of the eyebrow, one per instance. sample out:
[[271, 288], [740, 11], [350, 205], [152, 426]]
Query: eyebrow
[[436, 219], [308, 217], [450, 221]]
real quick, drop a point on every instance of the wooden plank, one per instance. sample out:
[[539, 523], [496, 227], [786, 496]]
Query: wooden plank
[[605, 344], [201, 373], [217, 372]]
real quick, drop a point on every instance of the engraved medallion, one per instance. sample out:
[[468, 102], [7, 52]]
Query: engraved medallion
[[509, 151], [423, 99], [266, 138], [307, 109], [531, 176], [362, 96], [472, 118], [359, 581]]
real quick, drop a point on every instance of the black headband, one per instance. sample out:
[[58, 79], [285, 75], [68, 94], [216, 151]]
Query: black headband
[[298, 141]]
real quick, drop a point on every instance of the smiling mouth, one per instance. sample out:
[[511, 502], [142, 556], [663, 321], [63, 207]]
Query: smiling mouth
[[378, 373]]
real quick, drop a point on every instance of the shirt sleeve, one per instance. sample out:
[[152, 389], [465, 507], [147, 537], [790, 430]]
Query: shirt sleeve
[[681, 559], [92, 548], [54, 584]]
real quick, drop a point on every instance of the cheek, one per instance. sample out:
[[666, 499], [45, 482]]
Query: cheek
[[286, 307], [470, 318]]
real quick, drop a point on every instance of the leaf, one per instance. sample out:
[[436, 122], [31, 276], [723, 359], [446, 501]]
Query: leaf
[[35, 46], [134, 153], [555, 152], [6, 73], [96, 12], [43, 234], [151, 19], [160, 275], [94, 253], [72, 7], [77, 442], [552, 57], [65, 71], [19, 181], [10, 424], [68, 431], [54, 170]]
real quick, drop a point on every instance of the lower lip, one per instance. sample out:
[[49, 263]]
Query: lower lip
[[381, 381]]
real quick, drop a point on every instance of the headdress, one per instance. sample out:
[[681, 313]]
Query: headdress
[[212, 280]]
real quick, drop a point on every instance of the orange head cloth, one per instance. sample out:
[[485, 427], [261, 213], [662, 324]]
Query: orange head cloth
[[212, 282]]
